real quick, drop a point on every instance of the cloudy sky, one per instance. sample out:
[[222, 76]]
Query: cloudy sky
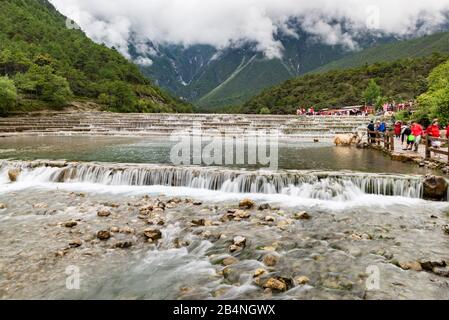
[[223, 23]]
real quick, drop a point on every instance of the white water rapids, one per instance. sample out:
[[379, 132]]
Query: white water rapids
[[319, 185]]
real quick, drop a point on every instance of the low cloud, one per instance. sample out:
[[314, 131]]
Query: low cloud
[[232, 22]]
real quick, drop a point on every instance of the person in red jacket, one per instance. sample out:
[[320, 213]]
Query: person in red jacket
[[417, 132], [434, 131], [398, 129]]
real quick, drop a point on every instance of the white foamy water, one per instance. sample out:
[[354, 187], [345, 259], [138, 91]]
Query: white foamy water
[[336, 190]]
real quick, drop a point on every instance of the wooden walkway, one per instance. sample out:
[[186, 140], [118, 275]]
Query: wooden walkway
[[395, 146]]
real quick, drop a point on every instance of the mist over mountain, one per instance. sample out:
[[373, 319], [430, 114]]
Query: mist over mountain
[[216, 53]]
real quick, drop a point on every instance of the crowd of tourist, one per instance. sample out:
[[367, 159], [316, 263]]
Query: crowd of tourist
[[411, 134]]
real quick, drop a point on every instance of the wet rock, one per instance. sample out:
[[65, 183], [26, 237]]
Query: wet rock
[[70, 224], [337, 283], [446, 229], [123, 244], [178, 243], [197, 203], [413, 265], [247, 204], [276, 284], [229, 261], [269, 219], [240, 241], [234, 248], [301, 216], [13, 174], [75, 243], [270, 260], [115, 230], [127, 230], [153, 234], [103, 235], [301, 280], [441, 271], [241, 214], [41, 205], [259, 272], [263, 207], [428, 265], [2, 206], [199, 222], [103, 213], [435, 188]]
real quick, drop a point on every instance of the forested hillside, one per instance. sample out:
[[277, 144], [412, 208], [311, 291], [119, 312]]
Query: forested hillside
[[419, 47], [400, 80], [45, 64]]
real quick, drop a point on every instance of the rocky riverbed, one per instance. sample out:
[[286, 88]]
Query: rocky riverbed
[[160, 247]]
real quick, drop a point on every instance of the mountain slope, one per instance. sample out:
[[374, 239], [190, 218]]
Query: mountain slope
[[213, 78], [392, 51], [51, 64], [399, 80]]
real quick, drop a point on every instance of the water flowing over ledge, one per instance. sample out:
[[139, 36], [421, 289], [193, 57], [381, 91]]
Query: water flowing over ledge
[[322, 185]]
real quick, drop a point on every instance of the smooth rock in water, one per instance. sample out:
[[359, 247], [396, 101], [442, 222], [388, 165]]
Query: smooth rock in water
[[199, 222], [75, 243], [197, 203], [269, 219], [123, 244], [415, 266], [239, 241], [127, 230], [242, 214], [70, 224], [264, 206], [2, 206], [115, 230], [435, 188], [301, 216], [229, 261], [103, 213], [429, 265], [270, 260], [441, 271], [446, 229], [153, 234], [247, 204], [259, 272], [302, 280], [234, 248], [103, 235], [275, 284], [13, 174]]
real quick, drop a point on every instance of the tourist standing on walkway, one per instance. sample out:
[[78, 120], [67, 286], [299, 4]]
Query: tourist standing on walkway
[[409, 138], [398, 129], [371, 134], [417, 132], [434, 132]]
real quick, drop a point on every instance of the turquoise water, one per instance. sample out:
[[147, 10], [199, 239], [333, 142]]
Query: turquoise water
[[293, 154]]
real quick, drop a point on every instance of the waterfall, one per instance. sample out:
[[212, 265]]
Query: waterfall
[[305, 184]]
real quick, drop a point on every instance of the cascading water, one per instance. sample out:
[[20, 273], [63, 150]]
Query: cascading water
[[320, 185]]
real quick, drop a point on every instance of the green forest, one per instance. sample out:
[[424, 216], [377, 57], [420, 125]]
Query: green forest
[[398, 81], [44, 64]]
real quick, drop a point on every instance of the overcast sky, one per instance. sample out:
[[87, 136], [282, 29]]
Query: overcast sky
[[229, 22]]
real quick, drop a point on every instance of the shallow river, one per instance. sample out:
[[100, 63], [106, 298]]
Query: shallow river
[[367, 234]]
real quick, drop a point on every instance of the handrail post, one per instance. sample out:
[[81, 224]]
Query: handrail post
[[391, 142], [428, 141]]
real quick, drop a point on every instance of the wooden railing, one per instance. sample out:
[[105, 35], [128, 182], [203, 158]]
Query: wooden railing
[[430, 149], [384, 139]]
